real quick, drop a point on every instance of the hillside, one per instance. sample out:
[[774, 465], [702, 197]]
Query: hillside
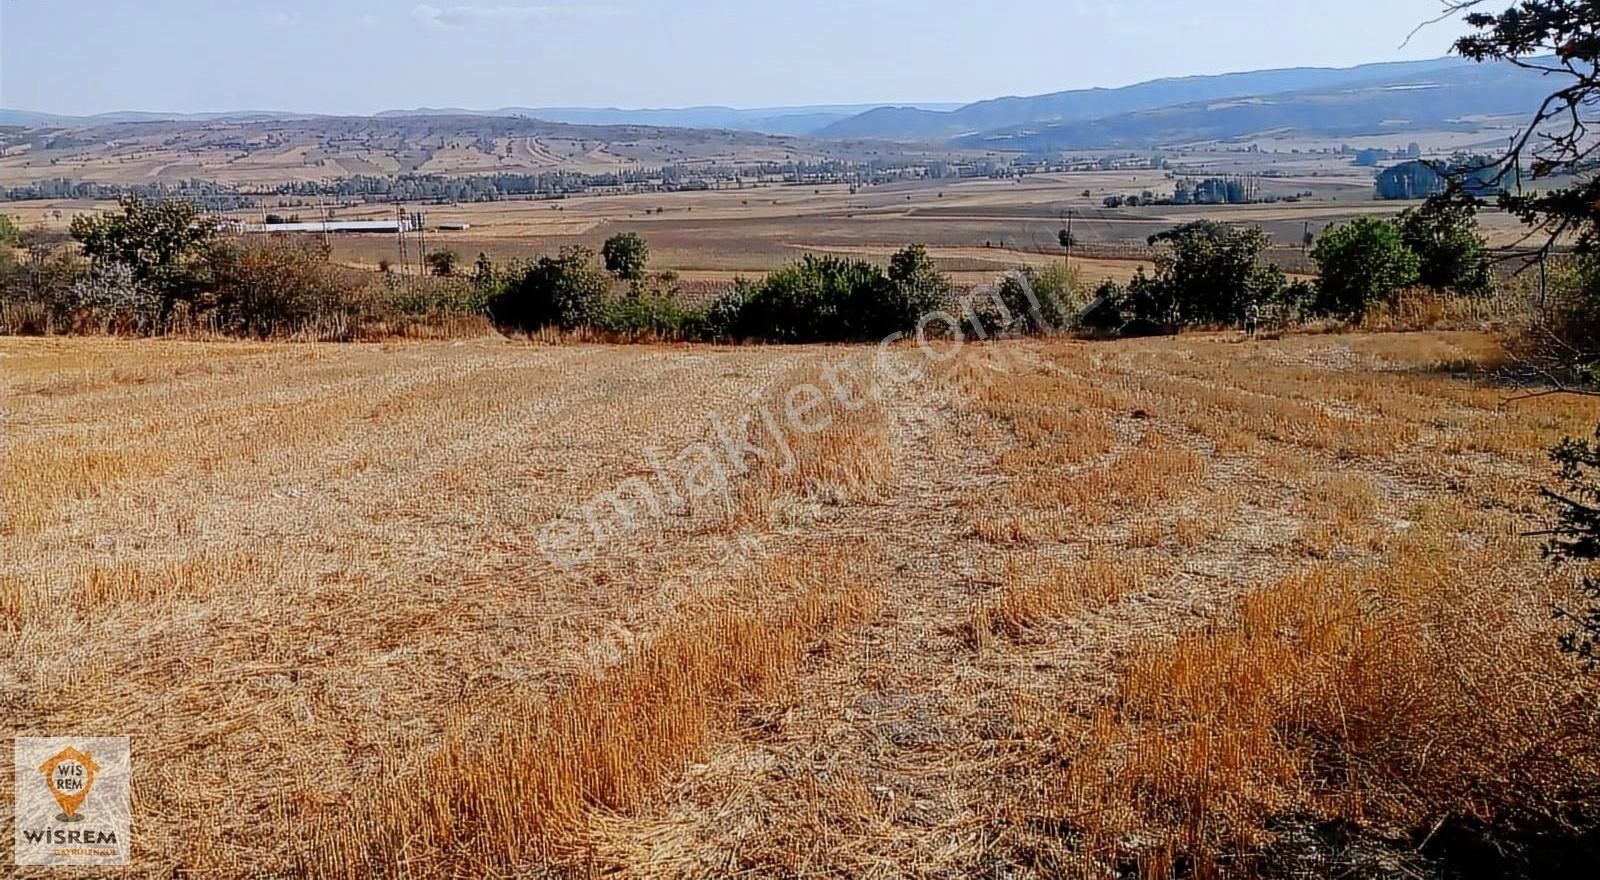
[[905, 123], [316, 148], [1466, 102], [1453, 98], [802, 119], [796, 120]]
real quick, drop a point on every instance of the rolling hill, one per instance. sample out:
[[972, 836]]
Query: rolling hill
[[913, 123], [327, 147], [1451, 98], [796, 120], [1391, 100]]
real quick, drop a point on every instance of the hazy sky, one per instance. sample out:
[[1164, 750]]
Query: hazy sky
[[361, 56]]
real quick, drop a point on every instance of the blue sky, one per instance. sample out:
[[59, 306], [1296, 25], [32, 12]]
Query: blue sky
[[361, 56]]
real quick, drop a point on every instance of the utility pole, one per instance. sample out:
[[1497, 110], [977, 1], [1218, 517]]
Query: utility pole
[[400, 232], [1069, 237], [422, 244]]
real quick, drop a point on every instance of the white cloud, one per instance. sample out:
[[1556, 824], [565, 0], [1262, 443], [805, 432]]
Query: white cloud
[[457, 17]]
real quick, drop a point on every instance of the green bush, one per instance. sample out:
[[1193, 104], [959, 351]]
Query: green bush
[[1028, 301], [626, 255], [1057, 299], [426, 296], [829, 299], [1104, 311], [653, 309], [1450, 252], [442, 262], [565, 291], [1205, 273], [723, 319], [1362, 262]]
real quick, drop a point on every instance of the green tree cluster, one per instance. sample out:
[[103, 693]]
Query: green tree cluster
[[163, 244], [1205, 273], [1361, 263], [626, 255], [564, 291]]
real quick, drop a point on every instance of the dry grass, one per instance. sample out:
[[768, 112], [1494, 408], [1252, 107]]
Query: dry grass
[[1036, 590], [823, 449], [1399, 698], [1184, 607], [515, 781]]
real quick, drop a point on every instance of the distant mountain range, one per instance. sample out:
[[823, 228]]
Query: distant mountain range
[[31, 119], [1456, 97], [1439, 94], [798, 120], [920, 124]]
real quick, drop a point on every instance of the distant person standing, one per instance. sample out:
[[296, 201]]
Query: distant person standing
[[1252, 319]]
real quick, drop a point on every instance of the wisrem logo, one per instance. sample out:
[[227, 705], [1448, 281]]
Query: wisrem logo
[[72, 801]]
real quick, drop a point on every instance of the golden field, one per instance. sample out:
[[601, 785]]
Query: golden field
[[1041, 608]]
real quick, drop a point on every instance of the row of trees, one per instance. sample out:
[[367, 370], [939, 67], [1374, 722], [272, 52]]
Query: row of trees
[[1210, 273], [818, 299], [481, 187], [220, 196], [154, 259]]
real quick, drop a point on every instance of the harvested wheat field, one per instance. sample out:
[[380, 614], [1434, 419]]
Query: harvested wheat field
[[1184, 607]]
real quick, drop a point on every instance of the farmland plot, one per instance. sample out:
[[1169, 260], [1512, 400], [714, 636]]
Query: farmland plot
[[1033, 609]]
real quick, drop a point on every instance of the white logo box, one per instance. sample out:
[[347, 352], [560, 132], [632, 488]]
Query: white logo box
[[74, 804]]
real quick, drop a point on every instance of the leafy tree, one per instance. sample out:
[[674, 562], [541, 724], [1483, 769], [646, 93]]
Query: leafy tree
[[1560, 39], [160, 242], [626, 255], [919, 287], [1205, 273], [483, 274], [1361, 262], [1444, 236], [442, 262], [9, 234], [563, 291], [822, 299]]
